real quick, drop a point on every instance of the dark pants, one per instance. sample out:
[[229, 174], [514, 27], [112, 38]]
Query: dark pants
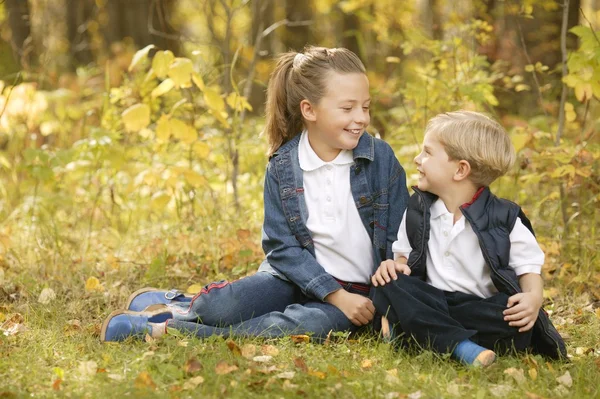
[[439, 320]]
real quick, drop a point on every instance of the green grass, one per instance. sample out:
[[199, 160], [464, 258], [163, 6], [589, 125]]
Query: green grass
[[55, 347]]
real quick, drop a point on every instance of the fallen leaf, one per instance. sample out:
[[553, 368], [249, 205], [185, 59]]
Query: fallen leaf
[[243, 234], [533, 374], [565, 379], [453, 389], [116, 377], [288, 386], [532, 395], [248, 351], [299, 362], [72, 326], [144, 380], [269, 350], [234, 348], [415, 395], [194, 289], [286, 375], [192, 383], [56, 384], [262, 359], [92, 284], [192, 366], [366, 364], [223, 367], [299, 339], [517, 374], [87, 369], [46, 296], [13, 325], [315, 373], [500, 391]]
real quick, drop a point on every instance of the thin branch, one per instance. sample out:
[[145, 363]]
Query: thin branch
[[535, 79], [10, 92], [286, 22], [563, 49]]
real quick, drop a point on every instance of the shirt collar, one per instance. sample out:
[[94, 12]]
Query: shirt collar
[[309, 160], [438, 209]]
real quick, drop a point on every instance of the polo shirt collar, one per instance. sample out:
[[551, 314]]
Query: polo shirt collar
[[438, 209], [309, 160]]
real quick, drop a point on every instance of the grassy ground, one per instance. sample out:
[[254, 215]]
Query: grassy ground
[[52, 349]]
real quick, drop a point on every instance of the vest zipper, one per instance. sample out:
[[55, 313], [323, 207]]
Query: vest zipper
[[423, 243]]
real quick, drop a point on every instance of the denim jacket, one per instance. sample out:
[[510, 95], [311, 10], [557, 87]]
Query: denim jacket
[[378, 185]]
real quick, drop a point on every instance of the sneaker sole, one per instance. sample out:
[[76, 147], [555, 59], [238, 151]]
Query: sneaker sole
[[135, 294]]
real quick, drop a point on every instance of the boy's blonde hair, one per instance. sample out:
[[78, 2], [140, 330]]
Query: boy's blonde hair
[[477, 139]]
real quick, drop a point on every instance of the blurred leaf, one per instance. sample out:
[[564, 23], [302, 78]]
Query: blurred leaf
[[565, 379], [516, 374], [136, 117], [92, 284], [144, 381], [192, 383], [140, 56], [192, 366], [46, 296], [213, 100], [181, 71], [198, 81], [161, 62], [194, 288], [234, 348], [223, 368], [163, 88]]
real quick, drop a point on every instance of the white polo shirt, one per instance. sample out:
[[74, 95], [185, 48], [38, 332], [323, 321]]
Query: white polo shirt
[[342, 244], [454, 259]]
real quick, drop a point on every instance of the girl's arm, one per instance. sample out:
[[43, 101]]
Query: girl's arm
[[285, 253]]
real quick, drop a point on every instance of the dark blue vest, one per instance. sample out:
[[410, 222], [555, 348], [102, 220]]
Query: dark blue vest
[[492, 219]]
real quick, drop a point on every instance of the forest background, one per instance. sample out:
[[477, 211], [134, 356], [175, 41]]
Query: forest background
[[131, 155]]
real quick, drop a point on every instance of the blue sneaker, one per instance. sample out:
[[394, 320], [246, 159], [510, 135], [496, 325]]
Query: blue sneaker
[[121, 324], [141, 299]]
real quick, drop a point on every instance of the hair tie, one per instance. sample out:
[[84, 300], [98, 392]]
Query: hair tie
[[298, 59]]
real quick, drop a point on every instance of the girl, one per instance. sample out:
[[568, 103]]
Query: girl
[[334, 198]]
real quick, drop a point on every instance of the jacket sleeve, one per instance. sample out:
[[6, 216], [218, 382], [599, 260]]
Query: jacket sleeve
[[398, 198], [285, 253]]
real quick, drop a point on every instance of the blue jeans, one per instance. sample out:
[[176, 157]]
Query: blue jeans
[[260, 305]]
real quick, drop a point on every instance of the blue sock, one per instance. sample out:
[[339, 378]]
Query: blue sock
[[467, 351]]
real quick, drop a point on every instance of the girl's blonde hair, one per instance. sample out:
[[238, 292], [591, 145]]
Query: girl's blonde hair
[[477, 139], [300, 76]]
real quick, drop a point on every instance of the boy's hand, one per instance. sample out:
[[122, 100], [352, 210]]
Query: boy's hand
[[357, 308], [388, 271], [523, 309]]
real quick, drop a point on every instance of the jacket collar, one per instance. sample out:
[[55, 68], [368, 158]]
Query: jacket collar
[[364, 149]]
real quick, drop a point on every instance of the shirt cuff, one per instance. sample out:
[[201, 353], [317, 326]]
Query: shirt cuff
[[524, 269]]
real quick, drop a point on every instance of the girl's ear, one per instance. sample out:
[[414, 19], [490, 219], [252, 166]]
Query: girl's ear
[[463, 171], [308, 111]]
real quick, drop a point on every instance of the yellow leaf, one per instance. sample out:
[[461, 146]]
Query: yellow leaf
[[160, 200], [136, 117], [520, 140], [201, 149], [213, 100], [570, 116], [521, 87], [163, 128], [181, 71], [533, 374], [583, 91], [366, 364], [194, 289], [92, 284], [163, 88], [183, 132], [198, 81], [392, 60], [238, 102], [140, 56], [195, 179], [319, 374], [161, 62], [144, 380]]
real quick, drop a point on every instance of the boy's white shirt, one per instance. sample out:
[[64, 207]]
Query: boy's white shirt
[[342, 245], [454, 259]]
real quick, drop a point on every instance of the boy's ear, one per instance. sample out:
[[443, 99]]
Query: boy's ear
[[308, 111], [463, 171]]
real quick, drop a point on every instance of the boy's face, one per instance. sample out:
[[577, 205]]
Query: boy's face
[[436, 170]]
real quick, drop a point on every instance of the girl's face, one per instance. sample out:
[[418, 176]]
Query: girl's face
[[340, 118]]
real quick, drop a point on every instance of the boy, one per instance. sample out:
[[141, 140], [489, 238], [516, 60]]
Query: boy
[[473, 260]]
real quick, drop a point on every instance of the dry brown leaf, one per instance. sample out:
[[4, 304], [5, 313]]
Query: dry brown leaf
[[262, 359], [192, 366], [248, 351], [56, 384], [13, 325], [301, 364], [366, 364], [269, 350], [234, 348], [223, 367], [565, 379], [299, 339], [243, 234], [144, 380]]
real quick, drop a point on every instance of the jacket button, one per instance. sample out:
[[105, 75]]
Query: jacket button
[[363, 200], [357, 170]]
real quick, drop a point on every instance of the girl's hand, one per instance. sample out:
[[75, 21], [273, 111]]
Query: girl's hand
[[357, 308], [523, 310], [388, 271]]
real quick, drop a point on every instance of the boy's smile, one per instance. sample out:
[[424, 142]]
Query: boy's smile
[[436, 169]]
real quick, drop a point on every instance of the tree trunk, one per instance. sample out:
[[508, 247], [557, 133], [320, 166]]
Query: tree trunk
[[20, 27], [78, 15]]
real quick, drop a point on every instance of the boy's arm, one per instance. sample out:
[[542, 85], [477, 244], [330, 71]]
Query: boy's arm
[[523, 308]]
